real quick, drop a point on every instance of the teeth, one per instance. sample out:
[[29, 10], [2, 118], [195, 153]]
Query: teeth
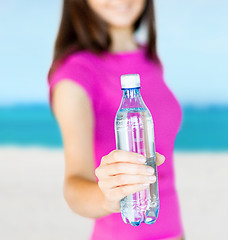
[[122, 8], [119, 6]]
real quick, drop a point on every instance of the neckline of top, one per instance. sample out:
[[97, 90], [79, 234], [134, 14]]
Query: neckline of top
[[140, 49]]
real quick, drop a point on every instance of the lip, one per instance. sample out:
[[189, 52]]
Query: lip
[[121, 8]]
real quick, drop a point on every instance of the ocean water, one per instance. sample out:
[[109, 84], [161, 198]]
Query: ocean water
[[202, 128]]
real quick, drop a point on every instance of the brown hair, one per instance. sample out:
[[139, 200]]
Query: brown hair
[[81, 28]]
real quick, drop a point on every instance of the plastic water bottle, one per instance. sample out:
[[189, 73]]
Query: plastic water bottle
[[134, 132]]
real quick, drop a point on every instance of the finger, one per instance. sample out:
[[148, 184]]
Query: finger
[[124, 179], [120, 192], [125, 168], [160, 159], [123, 156]]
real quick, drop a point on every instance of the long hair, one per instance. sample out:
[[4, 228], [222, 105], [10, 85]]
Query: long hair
[[81, 28]]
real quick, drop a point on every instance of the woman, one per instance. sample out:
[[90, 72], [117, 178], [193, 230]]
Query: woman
[[94, 47]]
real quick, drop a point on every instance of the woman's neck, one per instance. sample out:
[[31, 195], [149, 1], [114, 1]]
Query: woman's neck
[[122, 40]]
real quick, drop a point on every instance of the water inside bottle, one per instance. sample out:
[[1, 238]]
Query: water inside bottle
[[135, 133]]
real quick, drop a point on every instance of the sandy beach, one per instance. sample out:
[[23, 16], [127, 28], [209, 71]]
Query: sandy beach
[[32, 205]]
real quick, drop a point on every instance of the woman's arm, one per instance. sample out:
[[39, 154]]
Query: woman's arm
[[73, 111], [120, 173]]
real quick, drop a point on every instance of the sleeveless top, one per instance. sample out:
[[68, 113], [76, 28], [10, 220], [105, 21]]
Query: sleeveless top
[[99, 76]]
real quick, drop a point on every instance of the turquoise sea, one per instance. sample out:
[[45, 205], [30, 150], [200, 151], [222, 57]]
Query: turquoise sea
[[202, 128]]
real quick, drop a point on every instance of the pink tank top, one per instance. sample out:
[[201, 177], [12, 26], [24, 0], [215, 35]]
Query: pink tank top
[[100, 78]]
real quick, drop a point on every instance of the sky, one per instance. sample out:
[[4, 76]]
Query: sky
[[192, 44]]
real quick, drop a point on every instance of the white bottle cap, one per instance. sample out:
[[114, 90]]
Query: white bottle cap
[[130, 81]]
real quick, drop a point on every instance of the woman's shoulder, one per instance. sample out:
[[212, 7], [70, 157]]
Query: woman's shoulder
[[80, 58], [76, 67], [80, 63]]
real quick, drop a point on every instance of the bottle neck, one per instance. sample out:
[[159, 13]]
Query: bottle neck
[[132, 98], [131, 93]]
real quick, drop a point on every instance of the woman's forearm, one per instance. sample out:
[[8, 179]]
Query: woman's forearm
[[84, 197]]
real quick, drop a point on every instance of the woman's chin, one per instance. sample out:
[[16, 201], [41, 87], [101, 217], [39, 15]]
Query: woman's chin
[[121, 23]]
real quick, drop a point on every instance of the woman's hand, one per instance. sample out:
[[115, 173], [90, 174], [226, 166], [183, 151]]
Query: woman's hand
[[122, 173]]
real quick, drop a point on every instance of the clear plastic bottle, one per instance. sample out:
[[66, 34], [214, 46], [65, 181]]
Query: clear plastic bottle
[[134, 132]]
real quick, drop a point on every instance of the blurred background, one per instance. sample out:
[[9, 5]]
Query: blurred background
[[192, 44]]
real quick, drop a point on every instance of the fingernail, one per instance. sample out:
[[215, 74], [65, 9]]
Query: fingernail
[[142, 159], [152, 178], [150, 170]]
